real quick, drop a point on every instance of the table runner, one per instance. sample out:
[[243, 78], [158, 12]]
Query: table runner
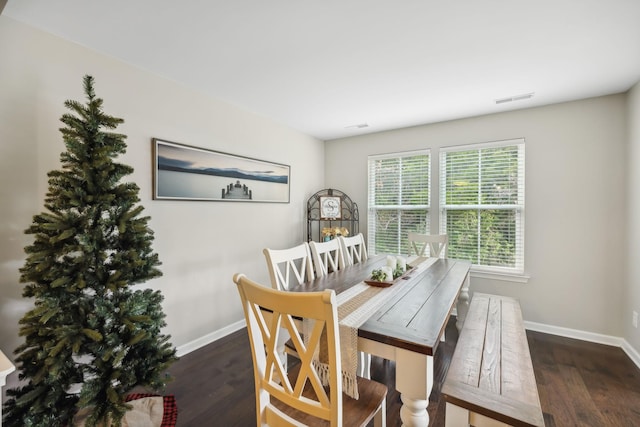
[[355, 306]]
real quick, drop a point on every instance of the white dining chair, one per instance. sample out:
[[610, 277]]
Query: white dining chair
[[431, 245], [298, 397], [354, 249], [327, 257], [289, 267]]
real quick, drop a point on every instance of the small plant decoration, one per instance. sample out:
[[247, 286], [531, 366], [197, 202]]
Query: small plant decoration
[[378, 275], [399, 271], [329, 233], [88, 329]]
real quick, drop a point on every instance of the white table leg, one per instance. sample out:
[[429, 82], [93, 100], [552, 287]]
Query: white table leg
[[283, 337], [414, 412], [414, 381], [462, 305], [364, 365]]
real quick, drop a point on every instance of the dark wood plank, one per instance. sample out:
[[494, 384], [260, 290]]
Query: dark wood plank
[[404, 307], [435, 311], [415, 318], [214, 385], [611, 392]]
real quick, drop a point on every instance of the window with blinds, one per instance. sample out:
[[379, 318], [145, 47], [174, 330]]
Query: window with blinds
[[482, 204], [399, 195]]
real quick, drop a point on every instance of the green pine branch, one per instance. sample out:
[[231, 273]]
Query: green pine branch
[[90, 245]]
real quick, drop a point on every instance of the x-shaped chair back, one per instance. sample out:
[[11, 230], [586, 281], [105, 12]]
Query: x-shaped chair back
[[354, 249], [327, 257], [289, 267], [267, 312], [436, 244]]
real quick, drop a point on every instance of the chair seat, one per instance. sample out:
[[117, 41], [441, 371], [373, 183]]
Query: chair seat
[[360, 412]]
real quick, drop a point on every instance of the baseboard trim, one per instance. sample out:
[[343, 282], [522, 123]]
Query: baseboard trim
[[574, 333], [587, 336], [631, 352], [209, 338]]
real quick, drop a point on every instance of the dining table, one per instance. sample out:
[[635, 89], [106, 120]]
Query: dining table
[[410, 324]]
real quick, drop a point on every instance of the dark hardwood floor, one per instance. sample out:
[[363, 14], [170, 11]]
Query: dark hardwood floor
[[580, 383]]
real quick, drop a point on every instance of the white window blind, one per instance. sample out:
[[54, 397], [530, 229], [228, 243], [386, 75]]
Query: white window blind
[[399, 196], [482, 204]]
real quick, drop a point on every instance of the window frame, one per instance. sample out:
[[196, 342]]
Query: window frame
[[483, 270], [371, 196]]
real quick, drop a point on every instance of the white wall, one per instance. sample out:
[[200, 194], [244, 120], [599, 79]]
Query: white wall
[[575, 199], [201, 244], [632, 294]]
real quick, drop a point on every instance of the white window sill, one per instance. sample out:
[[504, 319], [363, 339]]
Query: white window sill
[[507, 277]]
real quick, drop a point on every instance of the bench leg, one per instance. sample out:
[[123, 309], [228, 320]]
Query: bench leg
[[414, 381], [456, 416], [482, 421]]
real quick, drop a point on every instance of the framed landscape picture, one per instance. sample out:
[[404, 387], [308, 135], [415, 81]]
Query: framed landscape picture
[[183, 172]]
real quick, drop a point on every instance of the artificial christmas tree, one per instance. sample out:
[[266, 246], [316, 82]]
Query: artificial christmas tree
[[88, 329]]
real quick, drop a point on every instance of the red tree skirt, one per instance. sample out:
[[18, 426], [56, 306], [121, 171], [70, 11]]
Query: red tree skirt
[[170, 415]]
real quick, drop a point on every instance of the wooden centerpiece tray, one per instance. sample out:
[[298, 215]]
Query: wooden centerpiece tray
[[380, 284]]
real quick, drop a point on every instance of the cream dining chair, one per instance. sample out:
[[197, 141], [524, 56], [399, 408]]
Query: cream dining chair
[[327, 256], [298, 398], [354, 249], [432, 245]]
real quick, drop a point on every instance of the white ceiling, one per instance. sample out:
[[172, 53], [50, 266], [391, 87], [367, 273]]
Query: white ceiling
[[324, 66]]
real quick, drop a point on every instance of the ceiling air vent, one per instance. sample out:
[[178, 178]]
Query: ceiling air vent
[[358, 126], [515, 98]]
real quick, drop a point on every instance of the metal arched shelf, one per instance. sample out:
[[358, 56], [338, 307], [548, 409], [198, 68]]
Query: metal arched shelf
[[331, 208]]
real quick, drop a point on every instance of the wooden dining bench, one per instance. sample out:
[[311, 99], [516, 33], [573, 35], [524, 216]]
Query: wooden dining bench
[[490, 381]]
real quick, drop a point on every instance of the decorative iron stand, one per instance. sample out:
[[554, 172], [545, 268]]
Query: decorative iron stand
[[331, 208]]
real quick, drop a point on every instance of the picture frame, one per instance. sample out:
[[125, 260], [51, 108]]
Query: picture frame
[[330, 207], [184, 172]]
